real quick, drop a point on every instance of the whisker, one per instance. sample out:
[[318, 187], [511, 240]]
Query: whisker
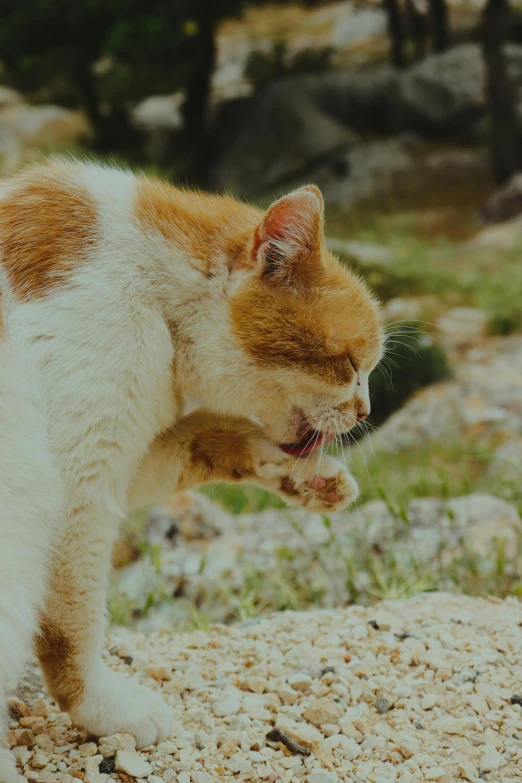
[[318, 429]]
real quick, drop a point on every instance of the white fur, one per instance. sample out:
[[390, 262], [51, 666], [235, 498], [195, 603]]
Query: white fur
[[89, 377]]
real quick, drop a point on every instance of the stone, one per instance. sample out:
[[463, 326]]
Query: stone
[[132, 764], [461, 327], [230, 705], [41, 708], [300, 682], [491, 759], [40, 759], [238, 763], [434, 773], [364, 253], [323, 710], [321, 776], [467, 771]]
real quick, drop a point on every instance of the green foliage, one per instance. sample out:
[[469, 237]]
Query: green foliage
[[91, 52], [412, 361]]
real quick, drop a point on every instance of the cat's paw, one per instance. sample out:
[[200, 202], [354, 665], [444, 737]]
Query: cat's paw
[[8, 771], [319, 483], [116, 704]]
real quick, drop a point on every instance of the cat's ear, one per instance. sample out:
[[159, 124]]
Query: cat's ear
[[288, 241]]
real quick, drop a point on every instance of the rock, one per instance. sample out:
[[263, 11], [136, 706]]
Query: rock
[[321, 776], [119, 742], [300, 682], [462, 327], [323, 710], [505, 203], [237, 763], [485, 393], [132, 764], [158, 112], [282, 133], [434, 773], [92, 770], [8, 97], [467, 771], [429, 701], [507, 461], [230, 705], [491, 759], [40, 708], [40, 759], [503, 236], [24, 127], [364, 253], [402, 308]]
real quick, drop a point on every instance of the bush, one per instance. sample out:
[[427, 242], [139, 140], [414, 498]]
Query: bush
[[416, 361]]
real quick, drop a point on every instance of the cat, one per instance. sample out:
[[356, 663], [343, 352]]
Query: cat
[[122, 296]]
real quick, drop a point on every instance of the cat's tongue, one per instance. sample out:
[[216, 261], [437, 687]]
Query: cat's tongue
[[306, 444]]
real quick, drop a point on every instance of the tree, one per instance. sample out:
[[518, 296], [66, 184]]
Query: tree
[[159, 46], [396, 32], [505, 153], [439, 24]]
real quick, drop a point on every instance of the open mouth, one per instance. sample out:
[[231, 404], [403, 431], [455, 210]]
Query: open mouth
[[307, 443]]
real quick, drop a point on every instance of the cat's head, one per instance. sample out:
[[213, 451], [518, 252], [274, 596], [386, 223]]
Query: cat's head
[[307, 326], [305, 330]]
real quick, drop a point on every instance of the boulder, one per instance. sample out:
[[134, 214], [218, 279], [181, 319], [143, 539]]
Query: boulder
[[505, 203], [283, 135]]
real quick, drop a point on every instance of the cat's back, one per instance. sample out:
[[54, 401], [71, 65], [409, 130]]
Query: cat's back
[[52, 216]]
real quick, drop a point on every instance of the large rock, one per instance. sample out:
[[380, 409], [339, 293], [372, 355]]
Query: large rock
[[505, 203], [485, 395], [298, 127], [282, 134], [255, 553], [25, 128], [396, 167]]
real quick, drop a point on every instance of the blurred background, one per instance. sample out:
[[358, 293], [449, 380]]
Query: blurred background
[[408, 115]]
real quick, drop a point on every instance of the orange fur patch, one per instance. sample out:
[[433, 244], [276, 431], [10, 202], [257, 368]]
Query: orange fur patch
[[217, 450], [58, 655], [321, 332], [196, 224], [48, 226]]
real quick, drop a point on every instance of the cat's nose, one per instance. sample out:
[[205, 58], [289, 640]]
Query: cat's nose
[[363, 411]]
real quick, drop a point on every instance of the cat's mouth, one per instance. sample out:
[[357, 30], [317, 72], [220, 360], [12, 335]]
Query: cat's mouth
[[307, 443]]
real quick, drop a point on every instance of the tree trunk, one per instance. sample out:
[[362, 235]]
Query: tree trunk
[[396, 32], [86, 87], [505, 155], [439, 24], [195, 109], [417, 28]]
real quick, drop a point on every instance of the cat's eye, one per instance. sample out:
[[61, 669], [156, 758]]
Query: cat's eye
[[353, 364]]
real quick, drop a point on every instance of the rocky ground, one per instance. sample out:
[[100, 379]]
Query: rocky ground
[[423, 690]]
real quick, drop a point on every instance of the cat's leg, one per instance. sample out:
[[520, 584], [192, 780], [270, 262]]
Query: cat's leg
[[202, 448], [72, 632], [30, 507]]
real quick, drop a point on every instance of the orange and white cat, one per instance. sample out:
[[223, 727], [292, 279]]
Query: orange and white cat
[[121, 298]]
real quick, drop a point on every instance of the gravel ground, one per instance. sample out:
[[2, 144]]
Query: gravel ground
[[420, 690]]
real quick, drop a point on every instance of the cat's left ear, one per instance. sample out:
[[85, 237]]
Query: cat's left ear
[[288, 241]]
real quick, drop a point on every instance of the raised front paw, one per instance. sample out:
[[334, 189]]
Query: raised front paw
[[319, 483]]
